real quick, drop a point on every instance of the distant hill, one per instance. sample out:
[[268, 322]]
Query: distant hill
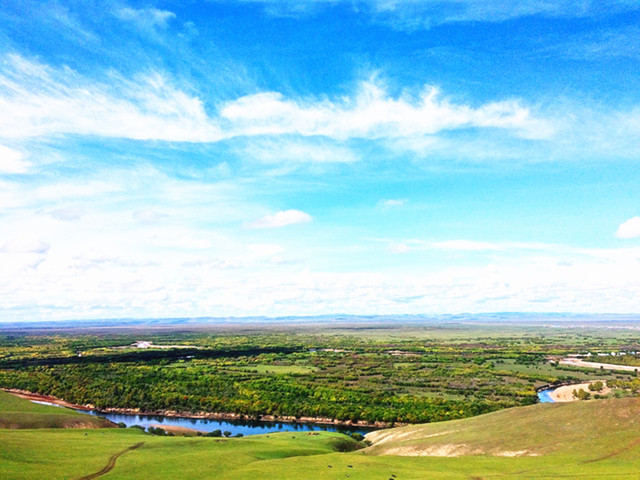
[[20, 413], [571, 320]]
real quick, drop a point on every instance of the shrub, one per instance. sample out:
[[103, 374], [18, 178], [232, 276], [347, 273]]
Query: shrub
[[596, 386], [581, 394]]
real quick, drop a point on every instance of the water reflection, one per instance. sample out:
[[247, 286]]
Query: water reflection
[[245, 427]]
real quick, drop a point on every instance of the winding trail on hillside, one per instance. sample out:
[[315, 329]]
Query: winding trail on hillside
[[631, 445], [112, 462]]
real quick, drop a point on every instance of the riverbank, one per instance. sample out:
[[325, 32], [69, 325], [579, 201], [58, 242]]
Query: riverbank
[[203, 415]]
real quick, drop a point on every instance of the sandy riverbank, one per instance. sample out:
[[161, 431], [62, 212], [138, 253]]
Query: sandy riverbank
[[565, 393]]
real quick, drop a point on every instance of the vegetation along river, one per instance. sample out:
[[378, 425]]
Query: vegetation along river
[[245, 427]]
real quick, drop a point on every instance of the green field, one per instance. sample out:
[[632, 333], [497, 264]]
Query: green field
[[18, 413], [279, 369], [593, 439]]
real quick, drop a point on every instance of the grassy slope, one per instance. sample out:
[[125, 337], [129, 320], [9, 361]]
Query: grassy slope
[[597, 439], [17, 412]]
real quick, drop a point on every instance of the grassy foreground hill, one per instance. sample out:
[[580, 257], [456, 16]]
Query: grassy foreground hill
[[16, 412], [585, 440]]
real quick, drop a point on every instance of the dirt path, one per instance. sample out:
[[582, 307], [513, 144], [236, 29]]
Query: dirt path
[[111, 463], [631, 445]]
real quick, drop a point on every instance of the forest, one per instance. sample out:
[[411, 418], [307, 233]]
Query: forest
[[401, 375]]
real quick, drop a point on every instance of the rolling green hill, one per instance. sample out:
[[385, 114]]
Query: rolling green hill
[[17, 412], [579, 428], [583, 440]]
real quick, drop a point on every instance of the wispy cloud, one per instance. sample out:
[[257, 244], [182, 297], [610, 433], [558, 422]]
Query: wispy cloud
[[146, 18], [37, 100], [606, 43], [280, 219], [414, 14], [392, 202], [629, 228]]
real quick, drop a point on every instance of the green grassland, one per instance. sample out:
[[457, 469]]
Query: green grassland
[[586, 440], [18, 413]]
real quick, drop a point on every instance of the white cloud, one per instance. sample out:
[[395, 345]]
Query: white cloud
[[146, 18], [280, 219], [373, 113], [11, 161], [629, 229]]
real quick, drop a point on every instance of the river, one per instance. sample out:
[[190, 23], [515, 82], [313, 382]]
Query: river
[[545, 396], [209, 425]]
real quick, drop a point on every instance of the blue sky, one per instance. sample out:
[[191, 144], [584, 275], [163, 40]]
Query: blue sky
[[262, 157]]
